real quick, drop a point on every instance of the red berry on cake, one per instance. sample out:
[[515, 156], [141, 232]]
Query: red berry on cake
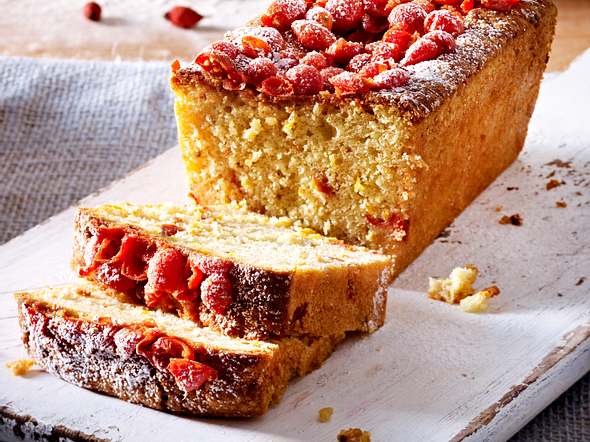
[[347, 14], [312, 35]]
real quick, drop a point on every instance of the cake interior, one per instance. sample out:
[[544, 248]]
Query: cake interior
[[232, 232], [89, 304]]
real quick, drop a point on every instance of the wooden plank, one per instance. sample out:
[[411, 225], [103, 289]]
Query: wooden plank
[[136, 30], [432, 372]]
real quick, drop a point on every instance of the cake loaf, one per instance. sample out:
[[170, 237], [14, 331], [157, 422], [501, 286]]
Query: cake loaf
[[376, 122], [239, 272], [156, 359]]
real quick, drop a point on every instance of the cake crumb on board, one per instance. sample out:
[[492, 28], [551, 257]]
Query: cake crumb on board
[[354, 435], [553, 183], [20, 367], [325, 414], [458, 289], [560, 204], [515, 219]]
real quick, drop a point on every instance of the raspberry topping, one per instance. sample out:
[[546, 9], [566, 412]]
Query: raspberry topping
[[334, 35]]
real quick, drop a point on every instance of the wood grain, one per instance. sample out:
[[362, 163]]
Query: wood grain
[[136, 29], [432, 372]]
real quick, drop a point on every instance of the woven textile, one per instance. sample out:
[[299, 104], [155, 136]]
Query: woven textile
[[69, 128]]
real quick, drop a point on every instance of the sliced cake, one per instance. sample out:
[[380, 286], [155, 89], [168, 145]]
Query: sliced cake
[[373, 121], [238, 272], [156, 359]]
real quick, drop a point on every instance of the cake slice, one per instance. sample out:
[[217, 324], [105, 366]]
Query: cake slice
[[238, 272], [375, 122], [156, 359]]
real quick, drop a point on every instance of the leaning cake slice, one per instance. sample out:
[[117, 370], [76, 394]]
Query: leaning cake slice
[[156, 359], [238, 272], [373, 121]]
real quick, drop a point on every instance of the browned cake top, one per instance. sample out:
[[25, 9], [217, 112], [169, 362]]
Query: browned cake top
[[412, 66]]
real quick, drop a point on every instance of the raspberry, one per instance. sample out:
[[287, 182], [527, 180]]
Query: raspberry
[[306, 80], [444, 21], [467, 5], [374, 25], [499, 5], [429, 46], [342, 51], [227, 47], [347, 14], [348, 83], [259, 69], [312, 35], [358, 62], [277, 86], [372, 69], [218, 64], [401, 38], [315, 59], [386, 52], [361, 36], [328, 73], [390, 79], [216, 293], [254, 46], [183, 17], [281, 13], [446, 2], [284, 64], [377, 8], [190, 375], [270, 35], [427, 5], [408, 17], [321, 16]]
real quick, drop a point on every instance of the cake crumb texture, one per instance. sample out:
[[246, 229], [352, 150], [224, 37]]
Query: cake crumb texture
[[20, 367]]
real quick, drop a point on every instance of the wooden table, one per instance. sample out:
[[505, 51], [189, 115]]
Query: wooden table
[[136, 29]]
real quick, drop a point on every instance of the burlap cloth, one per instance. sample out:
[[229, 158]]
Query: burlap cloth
[[68, 128]]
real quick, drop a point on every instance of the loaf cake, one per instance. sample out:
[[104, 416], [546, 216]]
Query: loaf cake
[[89, 339], [373, 121], [239, 272]]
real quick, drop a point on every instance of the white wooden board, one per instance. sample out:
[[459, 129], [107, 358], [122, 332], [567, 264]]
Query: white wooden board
[[432, 372]]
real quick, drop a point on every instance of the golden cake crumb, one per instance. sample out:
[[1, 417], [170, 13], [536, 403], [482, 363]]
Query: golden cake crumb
[[478, 302], [20, 367], [515, 219], [325, 414], [553, 183], [560, 204], [457, 286], [354, 435]]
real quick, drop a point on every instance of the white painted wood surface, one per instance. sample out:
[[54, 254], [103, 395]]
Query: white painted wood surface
[[432, 372]]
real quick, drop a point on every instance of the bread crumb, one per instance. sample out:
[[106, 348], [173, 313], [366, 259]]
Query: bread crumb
[[20, 367], [478, 302], [553, 183], [515, 219], [457, 286], [325, 414], [498, 208], [560, 204], [354, 435]]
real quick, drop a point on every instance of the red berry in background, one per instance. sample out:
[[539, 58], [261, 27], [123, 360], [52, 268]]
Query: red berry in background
[[358, 62], [444, 21], [374, 25], [328, 73], [312, 35], [408, 17], [259, 70], [347, 14], [467, 5], [216, 293], [315, 59], [306, 80], [342, 51], [348, 83], [429, 46], [321, 16], [377, 8], [390, 79], [281, 13], [92, 11], [277, 86], [183, 17], [499, 5]]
